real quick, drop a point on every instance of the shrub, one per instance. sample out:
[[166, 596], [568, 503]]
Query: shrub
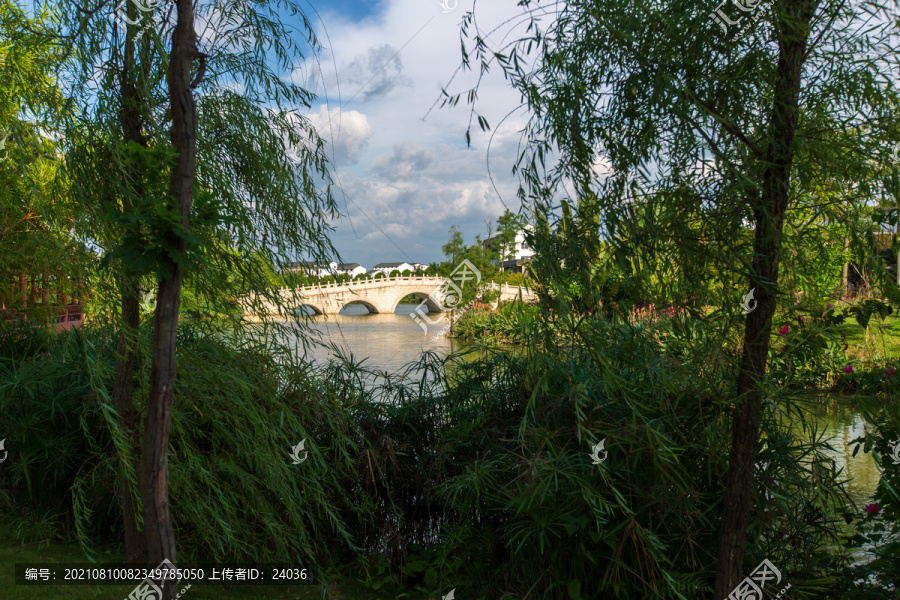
[[234, 492]]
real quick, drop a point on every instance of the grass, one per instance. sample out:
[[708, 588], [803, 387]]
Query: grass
[[11, 552], [880, 341]]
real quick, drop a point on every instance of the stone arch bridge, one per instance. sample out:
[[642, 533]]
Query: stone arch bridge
[[380, 295]]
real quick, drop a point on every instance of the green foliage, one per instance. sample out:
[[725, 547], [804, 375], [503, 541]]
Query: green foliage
[[509, 324], [36, 213], [456, 247], [508, 225], [471, 474], [809, 350], [508, 485], [262, 189], [234, 490], [52, 423]]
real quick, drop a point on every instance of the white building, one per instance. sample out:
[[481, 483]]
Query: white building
[[324, 269], [514, 257], [403, 267], [351, 269]]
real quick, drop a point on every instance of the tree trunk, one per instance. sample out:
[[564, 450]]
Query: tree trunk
[[770, 205], [155, 481], [131, 123], [123, 388]]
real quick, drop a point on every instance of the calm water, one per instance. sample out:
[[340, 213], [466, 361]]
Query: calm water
[[843, 424], [387, 342]]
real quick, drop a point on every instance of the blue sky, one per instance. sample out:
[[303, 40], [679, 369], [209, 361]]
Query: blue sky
[[400, 162]]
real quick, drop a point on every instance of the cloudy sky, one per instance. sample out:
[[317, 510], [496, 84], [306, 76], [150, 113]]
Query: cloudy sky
[[401, 165]]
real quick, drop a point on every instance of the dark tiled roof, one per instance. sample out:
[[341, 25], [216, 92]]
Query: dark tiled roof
[[302, 263]]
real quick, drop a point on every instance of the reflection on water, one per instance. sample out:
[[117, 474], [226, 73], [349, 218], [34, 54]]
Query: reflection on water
[[842, 423], [387, 342], [845, 424]]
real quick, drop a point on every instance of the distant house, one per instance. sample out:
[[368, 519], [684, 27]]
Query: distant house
[[351, 269], [514, 257], [304, 266], [324, 269], [403, 267]]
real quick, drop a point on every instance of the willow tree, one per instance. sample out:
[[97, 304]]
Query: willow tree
[[190, 160], [34, 221], [725, 129]]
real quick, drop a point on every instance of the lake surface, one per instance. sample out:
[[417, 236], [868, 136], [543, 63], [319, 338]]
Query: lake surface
[[842, 424], [387, 342]]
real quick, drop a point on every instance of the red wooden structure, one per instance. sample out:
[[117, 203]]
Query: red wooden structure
[[52, 298]]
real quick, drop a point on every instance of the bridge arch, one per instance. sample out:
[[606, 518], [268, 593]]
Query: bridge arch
[[429, 302], [373, 310], [317, 310]]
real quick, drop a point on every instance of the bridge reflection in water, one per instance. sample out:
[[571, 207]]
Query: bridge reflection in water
[[387, 342]]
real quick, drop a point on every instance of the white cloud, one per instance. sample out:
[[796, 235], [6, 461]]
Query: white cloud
[[346, 132]]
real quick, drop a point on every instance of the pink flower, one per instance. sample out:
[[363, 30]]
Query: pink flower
[[828, 307], [890, 372], [802, 320], [872, 509], [782, 348], [848, 369], [783, 331]]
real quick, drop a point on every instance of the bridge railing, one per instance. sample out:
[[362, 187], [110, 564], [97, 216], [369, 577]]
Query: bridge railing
[[358, 282], [504, 288]]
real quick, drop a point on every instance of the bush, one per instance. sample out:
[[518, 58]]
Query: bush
[[234, 492], [53, 424], [495, 488], [473, 474], [508, 325]]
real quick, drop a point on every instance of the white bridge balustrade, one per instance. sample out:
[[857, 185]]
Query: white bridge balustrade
[[380, 295]]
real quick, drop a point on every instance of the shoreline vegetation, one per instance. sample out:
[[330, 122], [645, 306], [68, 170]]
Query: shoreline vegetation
[[437, 455], [877, 345]]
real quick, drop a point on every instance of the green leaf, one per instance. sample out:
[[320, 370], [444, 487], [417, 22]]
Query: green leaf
[[574, 589]]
